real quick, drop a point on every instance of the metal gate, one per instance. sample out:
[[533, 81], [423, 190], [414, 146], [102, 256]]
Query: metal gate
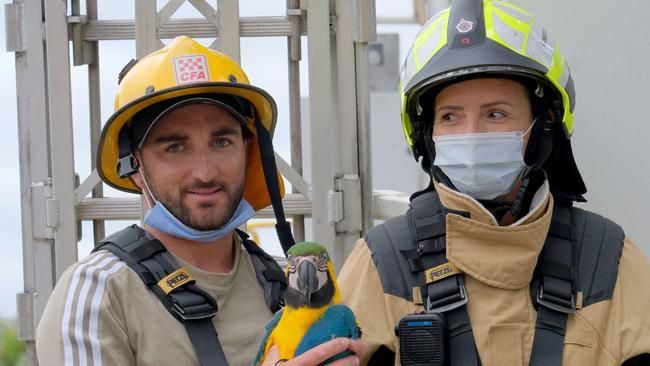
[[50, 37]]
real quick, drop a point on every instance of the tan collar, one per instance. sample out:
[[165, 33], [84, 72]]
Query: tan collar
[[500, 256]]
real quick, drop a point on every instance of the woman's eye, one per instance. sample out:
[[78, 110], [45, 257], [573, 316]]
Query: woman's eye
[[448, 117], [496, 115]]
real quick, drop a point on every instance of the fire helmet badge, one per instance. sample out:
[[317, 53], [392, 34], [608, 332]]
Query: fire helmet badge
[[464, 25]]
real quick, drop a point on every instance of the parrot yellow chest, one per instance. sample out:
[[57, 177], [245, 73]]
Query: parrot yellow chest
[[291, 328]]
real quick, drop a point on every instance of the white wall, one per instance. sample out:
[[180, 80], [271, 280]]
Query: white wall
[[607, 44]]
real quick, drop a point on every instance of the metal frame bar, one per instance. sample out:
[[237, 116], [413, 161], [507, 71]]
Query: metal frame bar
[[62, 216], [35, 184], [128, 208], [322, 111], [293, 65], [365, 31], [345, 158], [94, 100], [228, 26], [146, 28], [111, 30]]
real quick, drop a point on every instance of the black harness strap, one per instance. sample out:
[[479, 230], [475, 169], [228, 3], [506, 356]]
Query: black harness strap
[[555, 299], [447, 295], [188, 303], [268, 272]]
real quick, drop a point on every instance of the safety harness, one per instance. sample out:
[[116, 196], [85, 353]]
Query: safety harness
[[177, 291], [580, 256]]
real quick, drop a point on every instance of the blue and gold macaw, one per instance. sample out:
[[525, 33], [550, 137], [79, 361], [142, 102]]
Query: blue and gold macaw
[[312, 314]]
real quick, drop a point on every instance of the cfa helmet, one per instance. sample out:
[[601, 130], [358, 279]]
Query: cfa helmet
[[492, 38], [182, 70]]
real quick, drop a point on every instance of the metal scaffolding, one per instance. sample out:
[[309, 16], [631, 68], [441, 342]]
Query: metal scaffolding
[[54, 201]]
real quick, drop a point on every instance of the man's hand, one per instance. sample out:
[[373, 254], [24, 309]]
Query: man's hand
[[319, 354]]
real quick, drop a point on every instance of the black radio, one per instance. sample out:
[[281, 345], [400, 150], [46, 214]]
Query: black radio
[[422, 339]]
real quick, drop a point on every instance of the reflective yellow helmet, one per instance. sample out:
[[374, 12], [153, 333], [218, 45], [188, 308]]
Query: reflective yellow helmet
[[475, 38], [186, 69], [500, 38]]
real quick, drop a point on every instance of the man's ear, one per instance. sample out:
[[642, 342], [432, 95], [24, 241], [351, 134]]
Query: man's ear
[[137, 179], [137, 176]]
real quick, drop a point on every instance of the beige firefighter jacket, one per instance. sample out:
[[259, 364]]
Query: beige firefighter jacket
[[498, 263]]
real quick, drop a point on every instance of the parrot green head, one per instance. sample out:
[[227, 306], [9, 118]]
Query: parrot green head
[[312, 282]]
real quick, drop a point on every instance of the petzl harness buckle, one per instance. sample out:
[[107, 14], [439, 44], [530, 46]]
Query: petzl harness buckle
[[192, 306], [447, 300]]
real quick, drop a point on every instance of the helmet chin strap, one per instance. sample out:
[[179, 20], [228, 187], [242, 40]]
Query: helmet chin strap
[[540, 145], [148, 194], [430, 156]]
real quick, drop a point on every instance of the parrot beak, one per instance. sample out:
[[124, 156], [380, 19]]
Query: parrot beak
[[307, 280]]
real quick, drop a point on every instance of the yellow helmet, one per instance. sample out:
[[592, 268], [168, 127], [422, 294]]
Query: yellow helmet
[[187, 69]]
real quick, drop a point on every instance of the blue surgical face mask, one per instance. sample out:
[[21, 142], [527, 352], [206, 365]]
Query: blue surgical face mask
[[160, 218], [482, 165]]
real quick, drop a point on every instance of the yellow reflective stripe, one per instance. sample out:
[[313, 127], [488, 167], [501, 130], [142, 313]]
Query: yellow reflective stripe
[[429, 44], [428, 41], [406, 121], [554, 74], [556, 68], [513, 11], [564, 76], [540, 46], [507, 31], [175, 280], [408, 69]]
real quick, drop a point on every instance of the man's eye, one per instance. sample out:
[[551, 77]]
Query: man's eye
[[222, 142], [175, 148]]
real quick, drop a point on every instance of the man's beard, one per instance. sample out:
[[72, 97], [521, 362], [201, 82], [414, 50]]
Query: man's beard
[[216, 218]]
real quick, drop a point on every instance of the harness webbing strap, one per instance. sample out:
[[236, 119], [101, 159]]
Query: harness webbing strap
[[461, 340], [448, 295], [548, 343], [555, 292], [205, 340], [268, 273]]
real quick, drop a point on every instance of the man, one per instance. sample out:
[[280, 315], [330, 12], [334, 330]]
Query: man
[[194, 138], [492, 265]]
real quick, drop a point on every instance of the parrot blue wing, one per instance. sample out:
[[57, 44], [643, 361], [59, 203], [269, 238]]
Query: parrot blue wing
[[269, 328], [337, 321]]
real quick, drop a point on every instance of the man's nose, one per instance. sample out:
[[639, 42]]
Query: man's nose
[[202, 167]]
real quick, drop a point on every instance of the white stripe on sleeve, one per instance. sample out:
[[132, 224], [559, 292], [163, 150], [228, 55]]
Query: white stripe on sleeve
[[105, 263]]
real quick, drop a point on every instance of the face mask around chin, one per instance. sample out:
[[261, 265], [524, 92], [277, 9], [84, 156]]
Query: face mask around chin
[[160, 218], [482, 165]]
